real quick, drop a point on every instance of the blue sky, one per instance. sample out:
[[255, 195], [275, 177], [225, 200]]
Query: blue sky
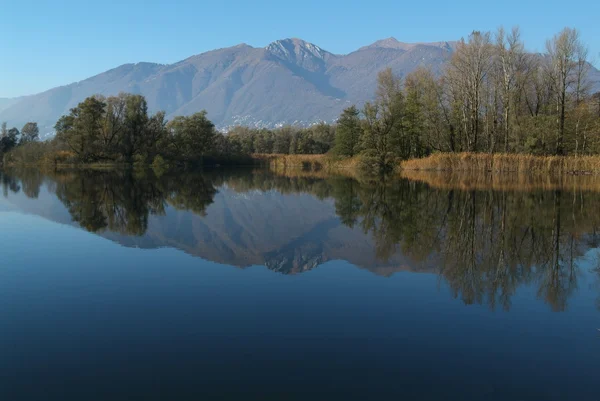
[[46, 43]]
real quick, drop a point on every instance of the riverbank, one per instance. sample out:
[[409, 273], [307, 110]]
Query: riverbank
[[443, 162], [329, 164]]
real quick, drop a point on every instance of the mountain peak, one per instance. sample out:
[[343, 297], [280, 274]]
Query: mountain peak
[[295, 48], [388, 42], [393, 43]]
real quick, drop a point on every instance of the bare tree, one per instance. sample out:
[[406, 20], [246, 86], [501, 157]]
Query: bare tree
[[566, 73], [511, 57], [468, 71]]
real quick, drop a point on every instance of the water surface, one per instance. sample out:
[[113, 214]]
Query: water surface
[[247, 285]]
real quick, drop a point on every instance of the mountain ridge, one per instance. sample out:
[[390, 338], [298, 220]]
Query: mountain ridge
[[289, 81]]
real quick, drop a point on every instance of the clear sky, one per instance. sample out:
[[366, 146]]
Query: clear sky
[[46, 43]]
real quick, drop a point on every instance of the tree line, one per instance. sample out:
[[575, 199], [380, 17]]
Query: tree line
[[119, 129], [492, 96]]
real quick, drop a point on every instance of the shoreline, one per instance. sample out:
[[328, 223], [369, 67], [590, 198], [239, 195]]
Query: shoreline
[[441, 163], [445, 162]]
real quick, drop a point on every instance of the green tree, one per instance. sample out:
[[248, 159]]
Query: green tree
[[135, 122], [192, 137], [81, 129], [323, 135], [29, 133], [281, 144], [8, 138], [382, 126], [348, 132]]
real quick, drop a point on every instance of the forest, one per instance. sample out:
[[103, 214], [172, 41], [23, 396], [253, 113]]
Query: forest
[[492, 97]]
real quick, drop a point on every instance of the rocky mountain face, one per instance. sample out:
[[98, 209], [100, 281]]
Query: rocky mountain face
[[289, 81]]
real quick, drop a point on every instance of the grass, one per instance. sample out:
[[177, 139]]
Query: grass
[[502, 162]]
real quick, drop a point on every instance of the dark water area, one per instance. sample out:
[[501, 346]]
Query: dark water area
[[232, 285]]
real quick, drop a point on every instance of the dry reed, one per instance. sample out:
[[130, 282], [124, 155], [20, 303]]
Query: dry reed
[[502, 162], [306, 163]]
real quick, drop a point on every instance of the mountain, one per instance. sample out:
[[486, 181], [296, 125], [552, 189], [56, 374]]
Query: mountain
[[289, 81], [7, 102]]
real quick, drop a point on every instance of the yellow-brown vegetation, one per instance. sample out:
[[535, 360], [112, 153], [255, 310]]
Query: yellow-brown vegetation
[[501, 162], [306, 163]]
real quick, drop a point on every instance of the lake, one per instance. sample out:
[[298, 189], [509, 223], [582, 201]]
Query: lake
[[244, 284]]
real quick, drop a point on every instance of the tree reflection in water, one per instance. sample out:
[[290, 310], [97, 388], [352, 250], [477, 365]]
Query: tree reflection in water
[[485, 242]]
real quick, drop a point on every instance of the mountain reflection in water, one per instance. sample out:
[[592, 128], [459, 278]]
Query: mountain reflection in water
[[483, 240]]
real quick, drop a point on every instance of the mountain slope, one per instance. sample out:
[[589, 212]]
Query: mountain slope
[[7, 102], [289, 81]]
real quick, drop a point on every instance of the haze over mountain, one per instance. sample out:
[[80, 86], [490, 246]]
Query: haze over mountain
[[289, 81]]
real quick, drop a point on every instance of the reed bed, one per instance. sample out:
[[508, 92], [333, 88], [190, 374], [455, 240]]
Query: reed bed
[[502, 162], [306, 163]]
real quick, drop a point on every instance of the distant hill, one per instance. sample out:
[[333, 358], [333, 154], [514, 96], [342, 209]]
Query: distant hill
[[288, 82]]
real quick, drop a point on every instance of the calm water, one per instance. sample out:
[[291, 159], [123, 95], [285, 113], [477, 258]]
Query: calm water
[[244, 285]]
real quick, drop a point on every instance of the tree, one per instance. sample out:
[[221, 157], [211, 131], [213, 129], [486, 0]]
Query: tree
[[564, 54], [382, 126], [8, 139], [29, 133], [323, 135], [511, 54], [306, 143], [113, 125], [3, 138], [468, 70], [192, 137], [81, 129], [282, 141], [348, 132], [135, 124]]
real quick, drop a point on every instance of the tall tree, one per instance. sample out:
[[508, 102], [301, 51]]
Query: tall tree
[[563, 54], [348, 132], [510, 55], [81, 129], [8, 138], [382, 125], [135, 124], [29, 133], [468, 70]]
